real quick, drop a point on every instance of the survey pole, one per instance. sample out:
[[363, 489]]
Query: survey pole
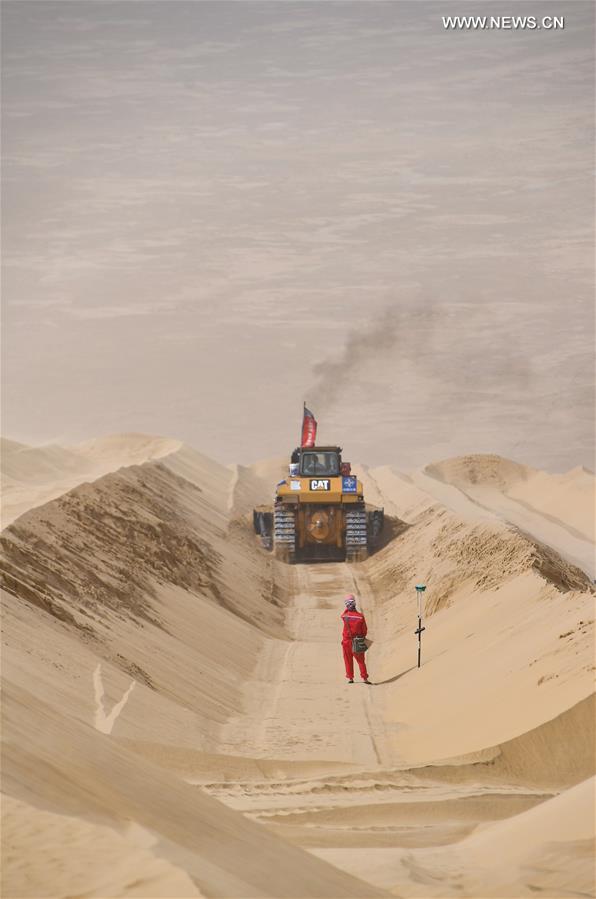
[[420, 588]]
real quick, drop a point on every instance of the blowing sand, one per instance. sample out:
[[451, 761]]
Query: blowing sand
[[176, 720]]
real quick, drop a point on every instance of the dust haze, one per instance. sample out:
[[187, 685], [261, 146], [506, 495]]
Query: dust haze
[[213, 211], [454, 345]]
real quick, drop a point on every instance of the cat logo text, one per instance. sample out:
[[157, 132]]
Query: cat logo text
[[320, 484]]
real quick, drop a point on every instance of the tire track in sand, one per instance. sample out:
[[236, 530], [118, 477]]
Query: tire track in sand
[[299, 706]]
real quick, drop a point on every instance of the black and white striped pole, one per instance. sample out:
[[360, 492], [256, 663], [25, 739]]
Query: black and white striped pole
[[420, 588]]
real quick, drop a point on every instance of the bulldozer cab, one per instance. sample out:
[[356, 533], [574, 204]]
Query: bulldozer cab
[[320, 461]]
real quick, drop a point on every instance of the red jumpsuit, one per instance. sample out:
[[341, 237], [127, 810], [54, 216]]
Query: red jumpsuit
[[354, 626]]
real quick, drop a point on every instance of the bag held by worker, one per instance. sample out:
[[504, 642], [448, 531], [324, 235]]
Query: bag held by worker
[[359, 644]]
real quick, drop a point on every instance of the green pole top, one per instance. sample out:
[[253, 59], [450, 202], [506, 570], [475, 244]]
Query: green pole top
[[421, 587]]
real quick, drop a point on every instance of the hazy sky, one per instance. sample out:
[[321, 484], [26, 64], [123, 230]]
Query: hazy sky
[[214, 210]]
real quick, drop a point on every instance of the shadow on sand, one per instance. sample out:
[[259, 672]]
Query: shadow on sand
[[391, 680], [393, 528]]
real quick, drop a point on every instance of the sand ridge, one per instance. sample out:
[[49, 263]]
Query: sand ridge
[[31, 476], [162, 672]]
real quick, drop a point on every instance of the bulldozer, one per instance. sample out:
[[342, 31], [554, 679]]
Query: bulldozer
[[319, 512]]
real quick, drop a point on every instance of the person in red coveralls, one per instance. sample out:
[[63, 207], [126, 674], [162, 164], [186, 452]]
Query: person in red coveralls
[[354, 626]]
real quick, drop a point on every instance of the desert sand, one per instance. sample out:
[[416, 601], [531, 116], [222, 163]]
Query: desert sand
[[175, 716]]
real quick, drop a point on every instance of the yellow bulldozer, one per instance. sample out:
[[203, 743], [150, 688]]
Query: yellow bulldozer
[[319, 512]]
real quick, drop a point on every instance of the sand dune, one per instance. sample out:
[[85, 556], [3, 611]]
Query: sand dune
[[174, 698], [547, 849], [31, 476], [84, 858], [115, 574], [558, 509], [254, 484], [569, 498], [519, 840]]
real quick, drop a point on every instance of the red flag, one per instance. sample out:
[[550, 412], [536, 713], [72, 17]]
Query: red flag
[[309, 428]]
